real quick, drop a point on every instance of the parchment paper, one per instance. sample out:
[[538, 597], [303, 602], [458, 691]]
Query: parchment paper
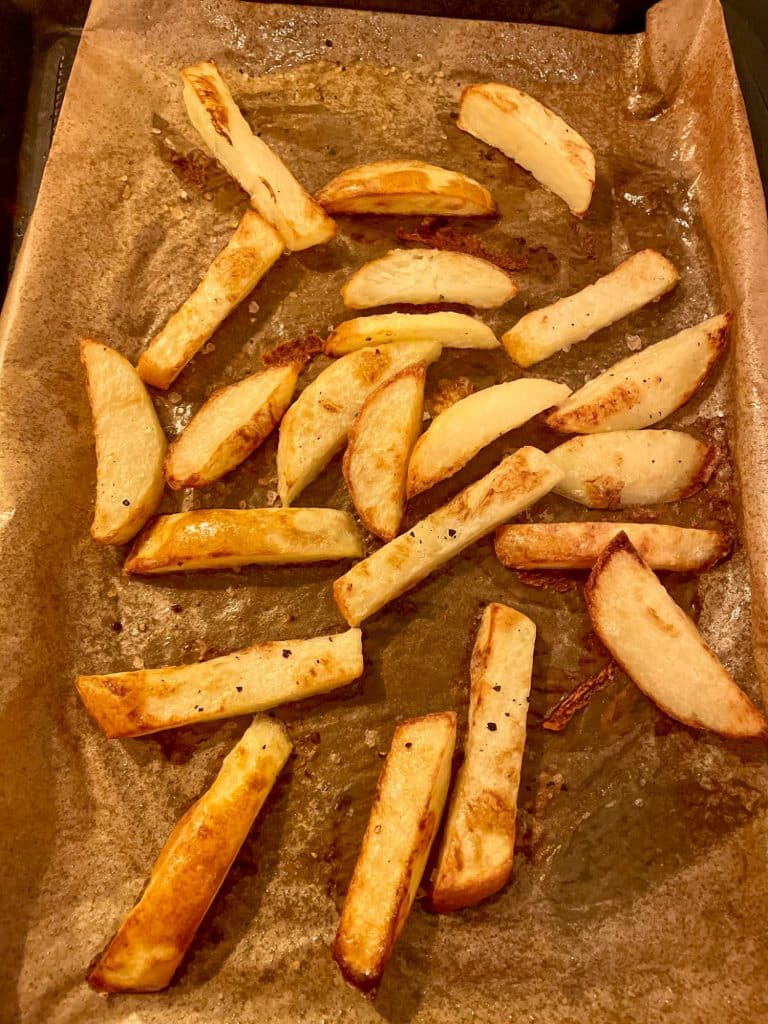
[[639, 891]]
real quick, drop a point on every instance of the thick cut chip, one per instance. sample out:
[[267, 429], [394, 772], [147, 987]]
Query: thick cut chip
[[221, 538], [152, 940], [452, 330], [533, 136], [380, 445], [406, 812], [577, 545], [319, 421], [633, 467], [640, 279], [458, 434], [660, 648], [230, 425], [515, 484], [478, 845], [274, 191], [645, 388], [130, 445], [421, 276], [235, 272], [406, 187], [253, 679]]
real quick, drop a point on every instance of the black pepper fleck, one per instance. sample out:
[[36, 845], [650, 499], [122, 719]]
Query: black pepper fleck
[[286, 653], [239, 689], [126, 502], [451, 533], [408, 745], [497, 688], [117, 627], [491, 726]]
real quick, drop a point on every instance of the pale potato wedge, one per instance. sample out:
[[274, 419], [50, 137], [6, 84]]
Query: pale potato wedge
[[319, 421], [406, 187], [640, 279], [457, 435], [152, 940], [577, 545], [409, 801], [515, 484], [660, 648], [221, 538], [452, 330], [380, 444], [274, 192], [533, 136], [130, 445], [253, 679], [421, 276], [633, 467], [478, 845], [232, 423], [251, 251], [645, 388]]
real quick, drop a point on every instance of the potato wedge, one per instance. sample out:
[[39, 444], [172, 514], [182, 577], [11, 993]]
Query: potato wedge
[[457, 435], [235, 272], [660, 648], [220, 538], [380, 444], [274, 192], [152, 940], [533, 136], [640, 279], [319, 421], [409, 801], [428, 275], [633, 467], [130, 445], [577, 545], [478, 844], [645, 388], [253, 679], [232, 423], [406, 187], [515, 484], [452, 330]]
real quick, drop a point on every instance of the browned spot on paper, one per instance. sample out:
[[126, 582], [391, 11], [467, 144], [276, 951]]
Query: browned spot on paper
[[297, 352], [559, 582], [448, 392], [432, 234], [573, 702]]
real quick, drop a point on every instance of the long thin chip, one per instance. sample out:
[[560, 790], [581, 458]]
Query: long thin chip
[[190, 869], [253, 679], [515, 484]]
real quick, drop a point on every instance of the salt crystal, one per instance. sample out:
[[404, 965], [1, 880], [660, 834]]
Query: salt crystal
[[369, 739], [210, 347], [156, 131], [634, 342], [138, 663], [272, 497], [242, 504], [174, 397]]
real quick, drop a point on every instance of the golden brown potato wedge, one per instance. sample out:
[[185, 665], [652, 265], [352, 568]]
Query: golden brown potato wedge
[[406, 187], [319, 421], [274, 191], [406, 812], [633, 467], [253, 679], [229, 426], [130, 445], [152, 940], [220, 538], [640, 279], [577, 545], [380, 444], [515, 484], [478, 844], [660, 648], [421, 276], [452, 330], [235, 272], [457, 435], [533, 136], [645, 388]]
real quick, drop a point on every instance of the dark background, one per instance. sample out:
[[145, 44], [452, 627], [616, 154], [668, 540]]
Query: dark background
[[38, 40]]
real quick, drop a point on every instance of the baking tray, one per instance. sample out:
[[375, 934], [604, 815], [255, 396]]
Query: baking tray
[[639, 882]]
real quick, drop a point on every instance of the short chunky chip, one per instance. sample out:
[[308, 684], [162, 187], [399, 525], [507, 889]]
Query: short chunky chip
[[421, 276], [406, 187]]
